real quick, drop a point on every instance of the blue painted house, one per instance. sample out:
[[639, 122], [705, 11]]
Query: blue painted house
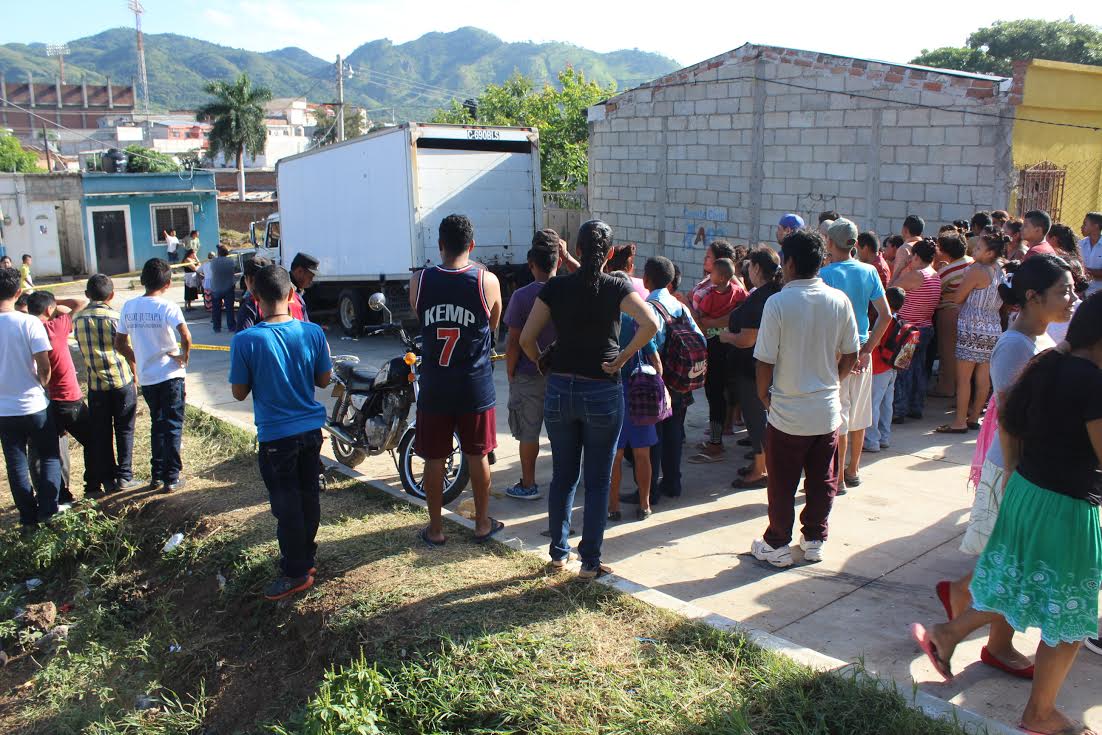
[[125, 216]]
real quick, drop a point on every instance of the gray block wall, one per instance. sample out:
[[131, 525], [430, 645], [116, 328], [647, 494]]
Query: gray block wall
[[725, 148]]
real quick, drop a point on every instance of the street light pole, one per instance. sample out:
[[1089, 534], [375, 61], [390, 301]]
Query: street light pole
[[340, 98]]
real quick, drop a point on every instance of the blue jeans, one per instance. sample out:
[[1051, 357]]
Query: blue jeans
[[113, 413], [910, 385], [290, 467], [666, 454], [222, 301], [38, 431], [883, 394], [581, 416], [166, 416]]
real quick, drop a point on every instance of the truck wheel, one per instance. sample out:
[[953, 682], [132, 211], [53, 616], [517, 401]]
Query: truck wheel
[[352, 312]]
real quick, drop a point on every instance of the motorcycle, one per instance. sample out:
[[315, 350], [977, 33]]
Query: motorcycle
[[371, 412]]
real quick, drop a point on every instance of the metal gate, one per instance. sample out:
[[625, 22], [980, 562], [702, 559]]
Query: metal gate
[[1041, 186]]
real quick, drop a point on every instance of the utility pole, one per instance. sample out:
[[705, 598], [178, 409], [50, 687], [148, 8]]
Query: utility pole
[[340, 98], [46, 145], [135, 6]]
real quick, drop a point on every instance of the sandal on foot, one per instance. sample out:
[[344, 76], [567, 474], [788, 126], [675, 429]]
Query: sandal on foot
[[989, 659], [1073, 730], [947, 429], [594, 572], [942, 589], [741, 483], [495, 528], [974, 425], [922, 638], [615, 516], [423, 534], [852, 480]]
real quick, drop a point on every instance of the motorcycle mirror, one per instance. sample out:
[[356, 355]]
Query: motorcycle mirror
[[376, 301]]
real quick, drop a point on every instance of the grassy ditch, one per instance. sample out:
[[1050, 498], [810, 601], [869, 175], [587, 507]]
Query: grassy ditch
[[394, 638]]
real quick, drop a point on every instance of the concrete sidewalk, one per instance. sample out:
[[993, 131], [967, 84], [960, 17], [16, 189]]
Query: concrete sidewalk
[[891, 540]]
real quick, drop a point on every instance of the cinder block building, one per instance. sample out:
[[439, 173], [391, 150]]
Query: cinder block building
[[725, 147]]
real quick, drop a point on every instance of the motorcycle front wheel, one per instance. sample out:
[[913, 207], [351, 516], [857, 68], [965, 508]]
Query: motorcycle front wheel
[[411, 469]]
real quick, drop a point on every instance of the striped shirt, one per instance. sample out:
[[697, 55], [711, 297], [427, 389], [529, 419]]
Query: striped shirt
[[951, 275], [918, 307], [94, 328]]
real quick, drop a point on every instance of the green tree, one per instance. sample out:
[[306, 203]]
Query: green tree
[[992, 50], [238, 115], [14, 158], [140, 160], [558, 114], [326, 130]]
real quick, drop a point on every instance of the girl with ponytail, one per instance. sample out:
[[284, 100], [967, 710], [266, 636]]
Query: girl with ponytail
[[584, 403]]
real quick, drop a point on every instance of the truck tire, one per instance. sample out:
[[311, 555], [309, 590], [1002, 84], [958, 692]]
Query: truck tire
[[352, 312]]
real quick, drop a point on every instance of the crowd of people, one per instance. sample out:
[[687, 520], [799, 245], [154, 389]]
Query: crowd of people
[[818, 346]]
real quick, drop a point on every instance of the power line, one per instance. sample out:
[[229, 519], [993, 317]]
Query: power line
[[418, 83]]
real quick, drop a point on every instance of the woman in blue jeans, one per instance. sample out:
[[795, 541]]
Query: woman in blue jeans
[[584, 404]]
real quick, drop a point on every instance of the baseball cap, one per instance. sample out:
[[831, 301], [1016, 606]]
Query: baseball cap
[[304, 260], [842, 232], [792, 221]]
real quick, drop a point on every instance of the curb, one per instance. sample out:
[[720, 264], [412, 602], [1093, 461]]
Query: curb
[[928, 704]]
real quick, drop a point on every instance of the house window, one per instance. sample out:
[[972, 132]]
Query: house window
[[171, 216]]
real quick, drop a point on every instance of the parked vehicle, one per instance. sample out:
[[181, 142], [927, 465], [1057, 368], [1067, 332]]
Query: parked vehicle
[[369, 208]]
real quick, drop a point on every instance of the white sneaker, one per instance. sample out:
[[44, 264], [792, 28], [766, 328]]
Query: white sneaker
[[1094, 645], [762, 551], [813, 550]]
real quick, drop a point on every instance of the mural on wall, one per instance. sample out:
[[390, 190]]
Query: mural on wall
[[699, 235]]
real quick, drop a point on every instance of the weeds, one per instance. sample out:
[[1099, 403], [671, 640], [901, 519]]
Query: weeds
[[164, 715]]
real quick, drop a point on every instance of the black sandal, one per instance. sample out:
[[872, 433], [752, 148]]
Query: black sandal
[[495, 528], [423, 534]]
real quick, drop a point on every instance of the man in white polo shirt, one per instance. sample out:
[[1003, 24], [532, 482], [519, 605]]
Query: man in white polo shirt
[[804, 329], [1090, 247]]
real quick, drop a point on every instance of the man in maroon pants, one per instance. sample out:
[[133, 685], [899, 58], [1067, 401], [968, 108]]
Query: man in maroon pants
[[807, 343]]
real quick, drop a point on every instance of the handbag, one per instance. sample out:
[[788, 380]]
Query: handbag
[[648, 399]]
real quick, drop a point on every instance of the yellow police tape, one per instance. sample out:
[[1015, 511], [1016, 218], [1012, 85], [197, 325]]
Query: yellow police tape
[[211, 348], [129, 274]]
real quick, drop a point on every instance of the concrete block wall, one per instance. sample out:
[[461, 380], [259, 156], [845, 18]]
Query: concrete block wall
[[725, 148]]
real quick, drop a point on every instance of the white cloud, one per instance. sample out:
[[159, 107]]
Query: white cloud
[[218, 18]]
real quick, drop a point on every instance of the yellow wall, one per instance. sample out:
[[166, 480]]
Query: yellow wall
[[1064, 93]]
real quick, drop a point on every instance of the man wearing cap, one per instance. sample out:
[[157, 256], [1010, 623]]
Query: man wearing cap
[[788, 224], [862, 286], [303, 269]]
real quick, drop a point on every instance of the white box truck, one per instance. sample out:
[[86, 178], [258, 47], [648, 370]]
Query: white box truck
[[368, 209]]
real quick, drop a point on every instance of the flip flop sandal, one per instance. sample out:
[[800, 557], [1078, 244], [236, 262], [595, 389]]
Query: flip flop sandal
[[741, 483], [922, 638], [702, 458], [986, 657], [852, 480], [974, 425], [942, 590], [423, 534], [495, 528], [1073, 730], [947, 429]]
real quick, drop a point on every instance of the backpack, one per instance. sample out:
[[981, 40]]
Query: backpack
[[648, 400], [900, 343], [684, 354]]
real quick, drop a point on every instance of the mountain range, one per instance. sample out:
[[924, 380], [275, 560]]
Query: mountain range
[[410, 79]]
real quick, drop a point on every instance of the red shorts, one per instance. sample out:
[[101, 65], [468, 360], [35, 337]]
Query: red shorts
[[477, 433]]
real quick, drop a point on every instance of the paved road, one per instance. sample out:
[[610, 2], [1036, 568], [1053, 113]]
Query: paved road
[[891, 540]]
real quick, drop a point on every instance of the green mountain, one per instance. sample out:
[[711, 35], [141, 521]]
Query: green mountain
[[412, 78]]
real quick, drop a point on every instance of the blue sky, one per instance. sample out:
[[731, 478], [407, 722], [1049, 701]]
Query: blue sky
[[687, 32]]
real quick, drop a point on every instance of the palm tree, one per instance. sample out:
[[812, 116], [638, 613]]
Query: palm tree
[[238, 115]]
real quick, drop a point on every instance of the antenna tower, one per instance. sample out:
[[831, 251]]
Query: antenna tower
[[135, 7]]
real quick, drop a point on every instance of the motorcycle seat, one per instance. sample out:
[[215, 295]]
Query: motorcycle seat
[[364, 374]]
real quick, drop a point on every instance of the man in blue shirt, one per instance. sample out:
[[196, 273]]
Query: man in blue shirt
[[280, 361], [861, 284]]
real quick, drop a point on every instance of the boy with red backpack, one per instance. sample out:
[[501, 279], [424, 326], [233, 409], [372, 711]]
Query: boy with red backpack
[[894, 352]]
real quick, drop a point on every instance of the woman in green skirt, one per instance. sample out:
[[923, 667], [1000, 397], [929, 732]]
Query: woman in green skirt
[[1042, 565]]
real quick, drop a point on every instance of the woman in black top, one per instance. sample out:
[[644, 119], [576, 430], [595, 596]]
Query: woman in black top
[[765, 276], [584, 404], [1041, 566]]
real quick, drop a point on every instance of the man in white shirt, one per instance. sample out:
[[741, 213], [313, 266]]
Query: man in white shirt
[[172, 246], [1090, 247], [804, 329], [24, 407], [150, 324]]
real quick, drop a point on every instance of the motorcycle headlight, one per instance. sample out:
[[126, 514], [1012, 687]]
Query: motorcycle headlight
[[382, 376]]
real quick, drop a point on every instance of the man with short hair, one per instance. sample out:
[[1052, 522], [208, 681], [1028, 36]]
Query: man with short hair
[[304, 268], [788, 224], [1035, 226], [912, 233], [112, 396], [1090, 249], [807, 343], [5, 261], [862, 286], [172, 245], [223, 279], [248, 311], [25, 418], [151, 323], [458, 306], [281, 360], [828, 216], [527, 385], [999, 218]]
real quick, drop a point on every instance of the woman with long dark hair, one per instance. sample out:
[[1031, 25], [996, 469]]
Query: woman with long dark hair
[[584, 405], [1041, 565]]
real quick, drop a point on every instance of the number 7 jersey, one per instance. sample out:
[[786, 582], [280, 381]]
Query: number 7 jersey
[[456, 373]]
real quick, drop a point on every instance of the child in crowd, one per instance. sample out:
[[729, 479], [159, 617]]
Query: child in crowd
[[723, 296], [879, 435], [280, 361], [150, 323], [26, 280]]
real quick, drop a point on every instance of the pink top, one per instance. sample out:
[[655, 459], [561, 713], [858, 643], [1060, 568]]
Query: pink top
[[63, 384], [918, 308], [1041, 248]]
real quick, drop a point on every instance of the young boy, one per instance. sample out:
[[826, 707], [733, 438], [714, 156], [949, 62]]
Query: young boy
[[112, 397], [526, 384], [26, 280], [723, 296], [879, 434], [280, 361], [151, 323]]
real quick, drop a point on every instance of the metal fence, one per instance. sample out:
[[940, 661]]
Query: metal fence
[[1067, 191]]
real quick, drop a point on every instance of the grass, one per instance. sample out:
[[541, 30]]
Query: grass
[[395, 638]]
